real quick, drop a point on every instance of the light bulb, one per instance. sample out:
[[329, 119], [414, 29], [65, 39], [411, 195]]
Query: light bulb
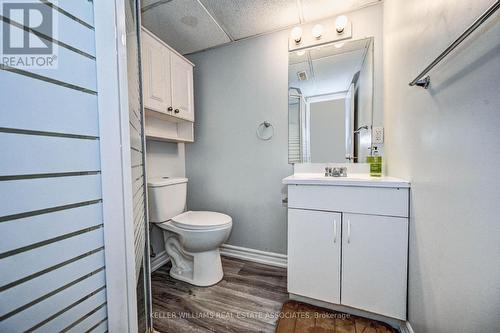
[[340, 23], [317, 31], [296, 34], [300, 53], [338, 45]]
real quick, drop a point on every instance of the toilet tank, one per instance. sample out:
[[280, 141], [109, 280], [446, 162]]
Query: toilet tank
[[166, 198]]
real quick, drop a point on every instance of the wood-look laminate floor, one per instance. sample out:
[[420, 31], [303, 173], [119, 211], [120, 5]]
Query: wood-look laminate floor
[[304, 318], [248, 299]]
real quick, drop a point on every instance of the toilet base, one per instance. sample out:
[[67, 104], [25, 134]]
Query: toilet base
[[200, 269], [204, 270]]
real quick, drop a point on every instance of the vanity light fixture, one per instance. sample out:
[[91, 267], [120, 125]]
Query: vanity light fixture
[[317, 31], [296, 34], [340, 23]]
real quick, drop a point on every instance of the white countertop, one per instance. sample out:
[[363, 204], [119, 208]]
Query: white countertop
[[354, 179]]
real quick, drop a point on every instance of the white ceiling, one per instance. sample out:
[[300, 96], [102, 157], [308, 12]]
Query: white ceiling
[[194, 25]]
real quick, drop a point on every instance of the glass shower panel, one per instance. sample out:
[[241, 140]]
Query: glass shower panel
[[137, 151]]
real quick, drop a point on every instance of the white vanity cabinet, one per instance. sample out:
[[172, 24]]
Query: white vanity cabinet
[[374, 263], [314, 253], [348, 242], [168, 79]]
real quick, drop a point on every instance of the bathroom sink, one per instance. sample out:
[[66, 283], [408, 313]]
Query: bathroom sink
[[354, 179]]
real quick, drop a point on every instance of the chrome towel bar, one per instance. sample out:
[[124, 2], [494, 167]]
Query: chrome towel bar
[[424, 82]]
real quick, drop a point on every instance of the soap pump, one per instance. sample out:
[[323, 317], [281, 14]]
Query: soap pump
[[375, 161]]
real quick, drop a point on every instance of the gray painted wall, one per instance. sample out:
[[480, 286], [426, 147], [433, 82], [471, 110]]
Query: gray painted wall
[[229, 169], [237, 87], [446, 141]]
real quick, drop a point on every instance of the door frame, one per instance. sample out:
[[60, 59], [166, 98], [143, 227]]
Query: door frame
[[111, 58]]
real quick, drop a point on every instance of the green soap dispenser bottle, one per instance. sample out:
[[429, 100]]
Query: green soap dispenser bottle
[[375, 162]]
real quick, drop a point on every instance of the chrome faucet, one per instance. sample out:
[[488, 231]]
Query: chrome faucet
[[336, 172], [365, 127]]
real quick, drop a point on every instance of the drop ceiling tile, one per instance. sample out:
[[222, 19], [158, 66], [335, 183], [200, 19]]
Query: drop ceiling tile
[[319, 9], [244, 18], [183, 24]]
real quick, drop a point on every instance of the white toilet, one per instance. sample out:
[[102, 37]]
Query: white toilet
[[192, 239]]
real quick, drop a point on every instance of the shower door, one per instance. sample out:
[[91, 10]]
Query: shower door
[[137, 151]]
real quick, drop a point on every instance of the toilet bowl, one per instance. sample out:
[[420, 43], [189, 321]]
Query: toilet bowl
[[192, 238], [193, 247]]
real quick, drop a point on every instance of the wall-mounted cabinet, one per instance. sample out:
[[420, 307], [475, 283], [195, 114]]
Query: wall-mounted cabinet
[[156, 74], [182, 87], [168, 91]]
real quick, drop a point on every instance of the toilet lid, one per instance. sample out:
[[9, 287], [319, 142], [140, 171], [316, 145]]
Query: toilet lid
[[201, 220]]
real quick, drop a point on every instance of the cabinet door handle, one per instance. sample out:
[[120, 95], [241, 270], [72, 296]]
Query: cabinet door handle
[[176, 111], [335, 231], [348, 231]]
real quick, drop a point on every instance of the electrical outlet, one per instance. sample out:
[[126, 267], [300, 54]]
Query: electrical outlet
[[378, 135]]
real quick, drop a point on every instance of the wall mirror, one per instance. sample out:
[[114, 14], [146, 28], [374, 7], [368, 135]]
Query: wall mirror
[[330, 103]]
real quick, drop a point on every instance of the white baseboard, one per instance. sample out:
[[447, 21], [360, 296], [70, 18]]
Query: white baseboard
[[406, 328], [158, 261], [262, 257]]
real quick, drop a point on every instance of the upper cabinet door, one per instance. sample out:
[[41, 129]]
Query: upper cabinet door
[[374, 263], [182, 88], [156, 76], [314, 239]]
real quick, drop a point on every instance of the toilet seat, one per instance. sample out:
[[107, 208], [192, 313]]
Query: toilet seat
[[201, 220]]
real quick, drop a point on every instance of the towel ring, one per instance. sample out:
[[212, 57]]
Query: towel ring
[[265, 131]]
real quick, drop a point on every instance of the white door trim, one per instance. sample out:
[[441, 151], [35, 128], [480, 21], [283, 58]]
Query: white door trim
[[109, 21]]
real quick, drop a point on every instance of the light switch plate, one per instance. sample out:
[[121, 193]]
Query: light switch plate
[[378, 135]]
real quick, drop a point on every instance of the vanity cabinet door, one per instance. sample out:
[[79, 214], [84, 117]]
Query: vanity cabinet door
[[374, 263], [314, 239], [156, 75], [182, 88]]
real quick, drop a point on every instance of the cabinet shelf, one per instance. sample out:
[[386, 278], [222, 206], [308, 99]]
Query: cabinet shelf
[[163, 127], [166, 139]]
